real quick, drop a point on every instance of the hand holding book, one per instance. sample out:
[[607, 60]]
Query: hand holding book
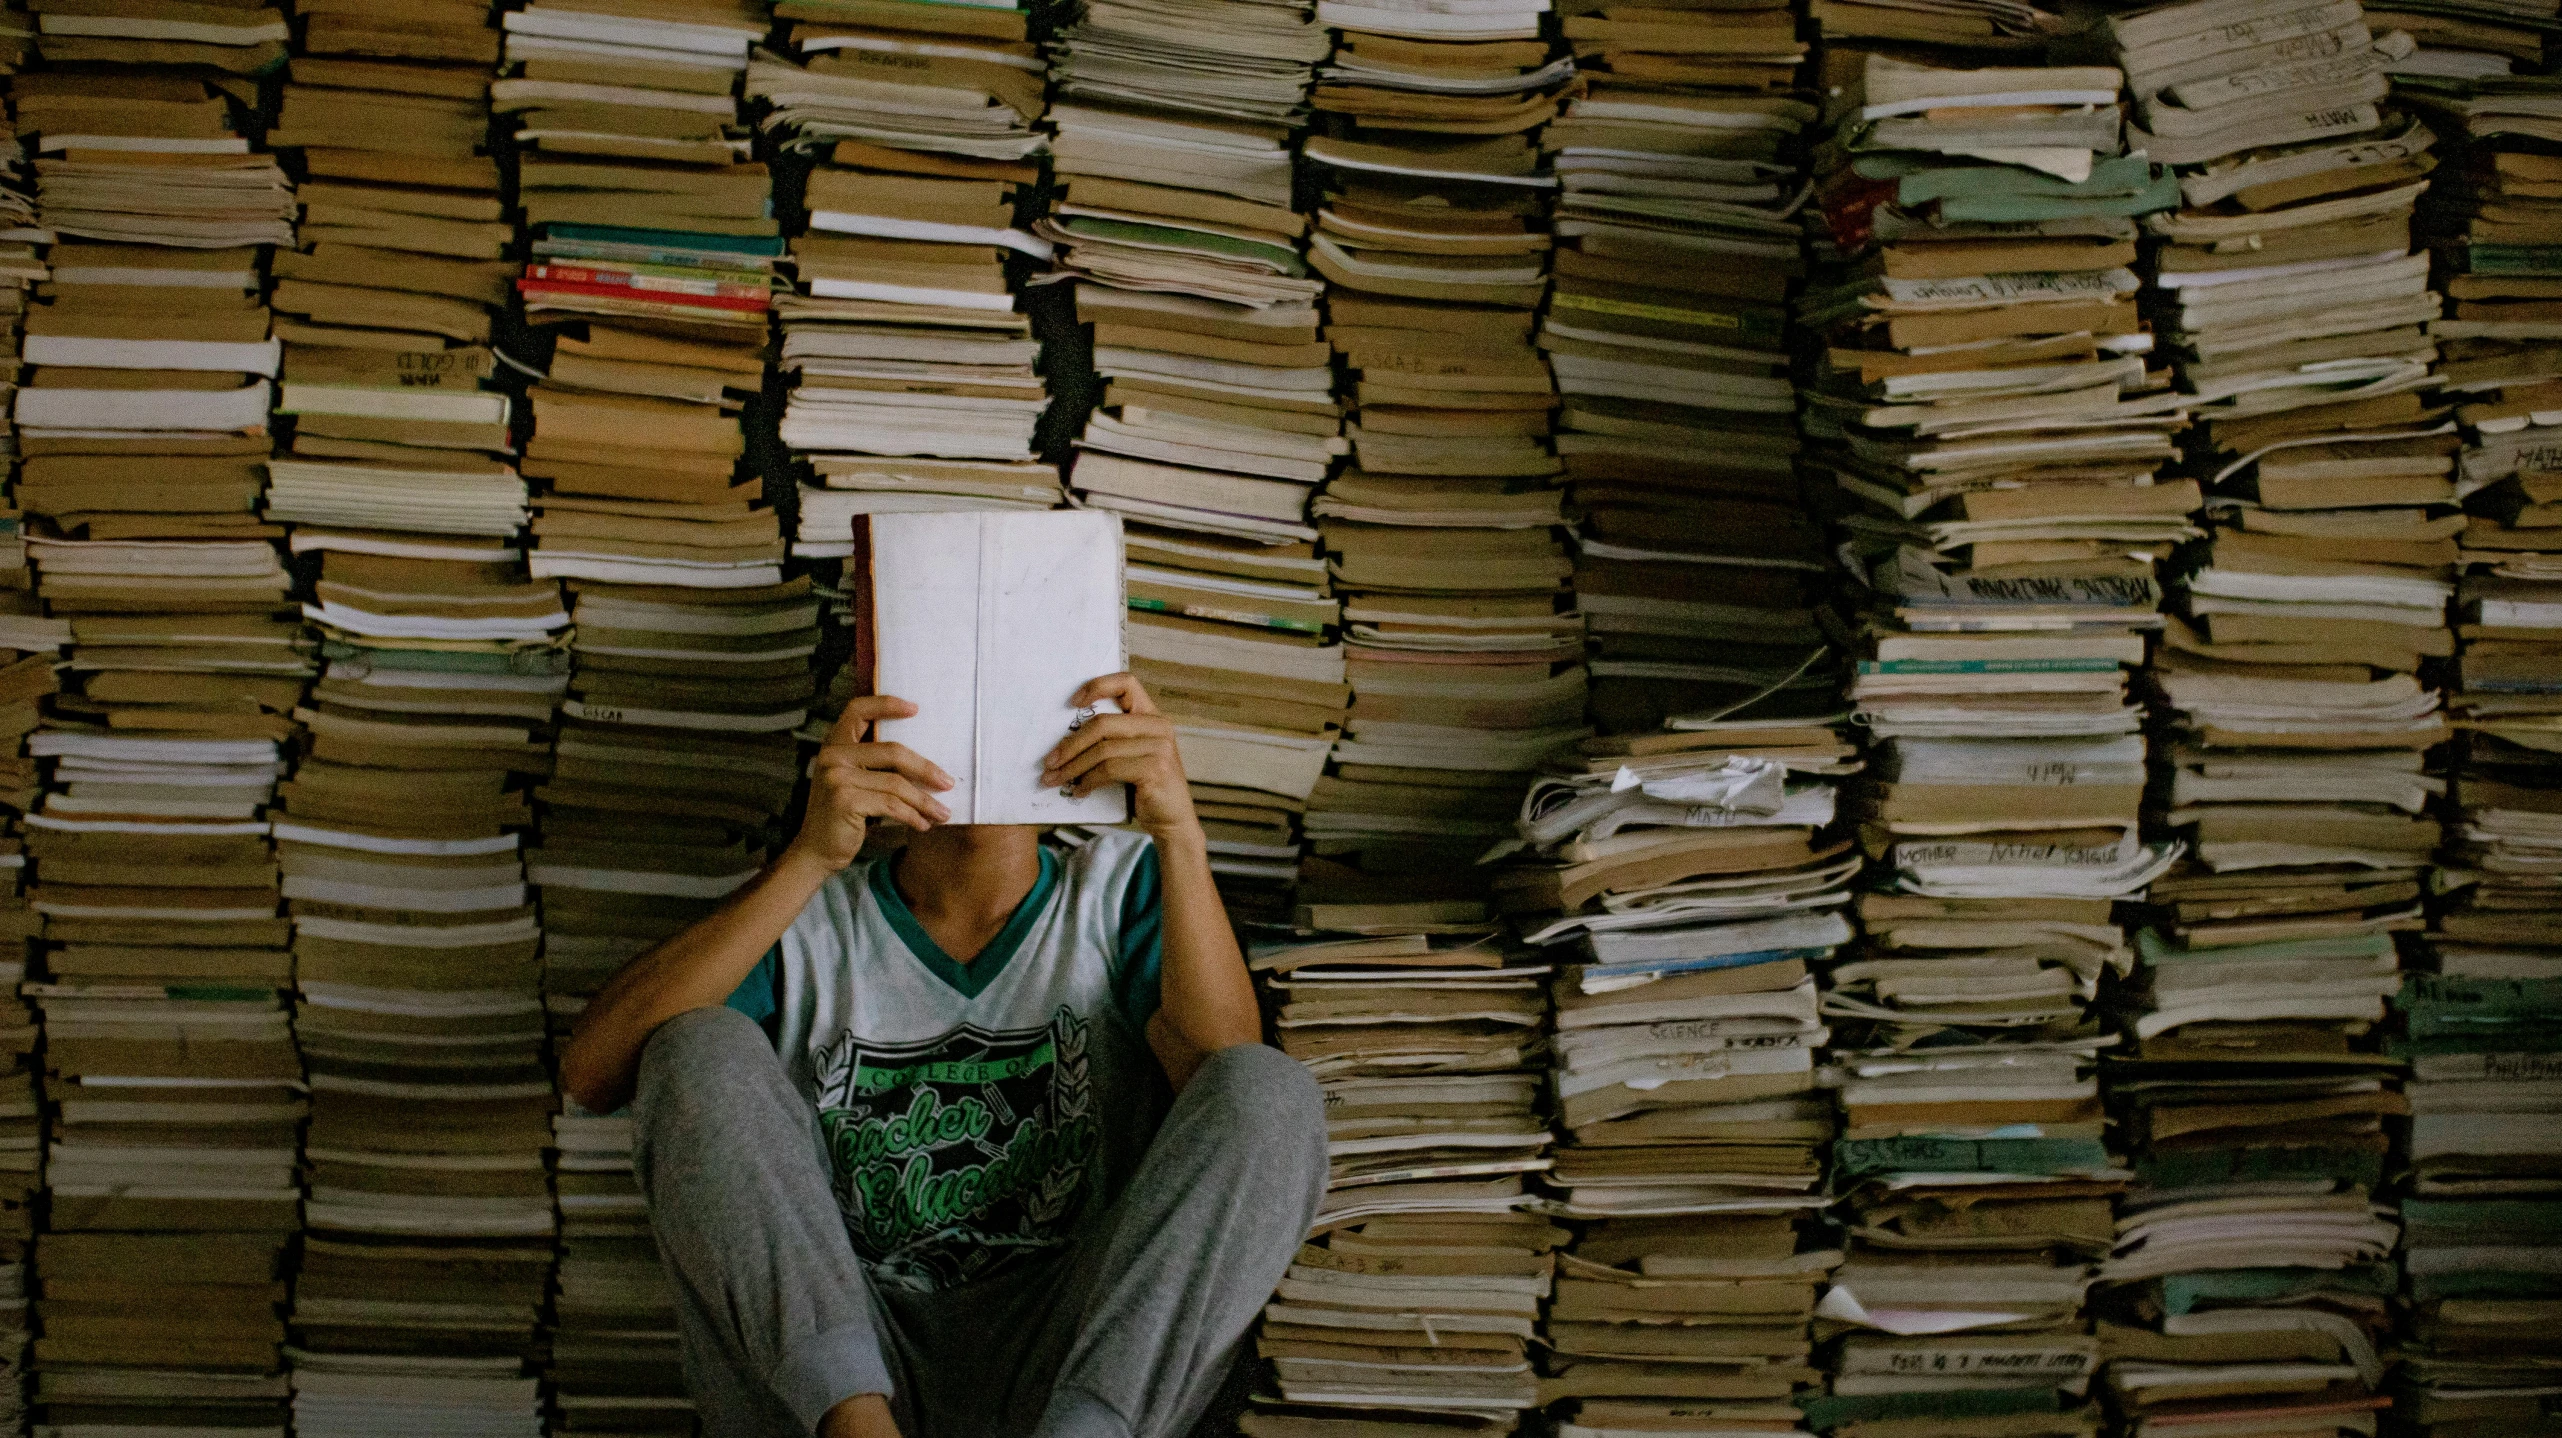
[[853, 782], [1134, 747]]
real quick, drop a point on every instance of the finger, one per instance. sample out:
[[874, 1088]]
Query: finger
[[899, 788], [1122, 689], [1102, 753], [1124, 770], [861, 711], [1102, 727], [885, 758]]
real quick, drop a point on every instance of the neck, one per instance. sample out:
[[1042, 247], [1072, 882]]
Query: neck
[[970, 869]]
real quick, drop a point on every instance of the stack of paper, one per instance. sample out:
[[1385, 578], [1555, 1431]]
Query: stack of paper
[[176, 1092], [1694, 897], [162, 43], [2286, 278], [1420, 1290], [1970, 25], [2254, 1108], [1216, 57], [905, 75], [615, 1366]]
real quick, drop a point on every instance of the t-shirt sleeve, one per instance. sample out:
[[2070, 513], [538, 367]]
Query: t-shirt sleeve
[[757, 995], [1138, 969]]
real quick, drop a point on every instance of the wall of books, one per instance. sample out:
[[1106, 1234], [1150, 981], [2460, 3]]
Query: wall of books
[[1880, 681]]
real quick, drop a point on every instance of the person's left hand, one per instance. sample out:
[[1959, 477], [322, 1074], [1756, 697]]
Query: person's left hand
[[1134, 747]]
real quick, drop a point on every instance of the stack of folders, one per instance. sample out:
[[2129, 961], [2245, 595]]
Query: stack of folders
[[1684, 1066], [1420, 1289], [2482, 1215], [615, 1367], [2254, 1108], [174, 1137], [1218, 418]]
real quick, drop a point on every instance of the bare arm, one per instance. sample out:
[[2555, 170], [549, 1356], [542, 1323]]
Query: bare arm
[[1206, 1001], [851, 784]]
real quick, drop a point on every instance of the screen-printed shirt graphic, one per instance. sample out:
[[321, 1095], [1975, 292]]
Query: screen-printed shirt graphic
[[975, 1114], [957, 1157]]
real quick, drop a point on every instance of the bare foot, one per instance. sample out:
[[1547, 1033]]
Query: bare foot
[[865, 1415]]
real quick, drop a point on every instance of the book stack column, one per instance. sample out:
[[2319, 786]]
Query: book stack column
[[916, 374], [2285, 287], [2482, 1210], [1983, 411], [1416, 1297], [30, 650], [416, 946], [651, 269], [1676, 247], [615, 1365], [1463, 648], [1698, 886], [173, 1081], [1218, 417]]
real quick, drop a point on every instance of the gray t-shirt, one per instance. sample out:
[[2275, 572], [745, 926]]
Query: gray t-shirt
[[974, 1115]]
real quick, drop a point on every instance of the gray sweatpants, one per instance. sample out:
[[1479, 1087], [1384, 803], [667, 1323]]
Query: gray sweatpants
[[1124, 1334]]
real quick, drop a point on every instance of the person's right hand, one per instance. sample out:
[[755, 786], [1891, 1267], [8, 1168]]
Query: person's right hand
[[853, 782]]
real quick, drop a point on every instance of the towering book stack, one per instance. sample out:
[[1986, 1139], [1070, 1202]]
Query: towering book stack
[[176, 1097], [615, 1365], [653, 263], [1218, 416], [30, 647], [916, 375], [1463, 649], [2293, 307], [1984, 410], [2254, 1109], [1416, 1297], [1666, 330], [1684, 1067], [2482, 1216]]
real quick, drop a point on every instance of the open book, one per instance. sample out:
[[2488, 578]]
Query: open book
[[989, 622]]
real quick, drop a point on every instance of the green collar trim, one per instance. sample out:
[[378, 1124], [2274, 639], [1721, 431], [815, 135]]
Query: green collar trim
[[970, 979]]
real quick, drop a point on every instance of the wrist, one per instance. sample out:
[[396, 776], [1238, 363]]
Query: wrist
[[801, 865], [1179, 837]]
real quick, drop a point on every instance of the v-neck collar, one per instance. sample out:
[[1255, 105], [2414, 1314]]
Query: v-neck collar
[[970, 979]]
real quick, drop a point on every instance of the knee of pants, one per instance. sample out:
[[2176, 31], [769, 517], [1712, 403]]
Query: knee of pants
[[1264, 1099], [700, 1063]]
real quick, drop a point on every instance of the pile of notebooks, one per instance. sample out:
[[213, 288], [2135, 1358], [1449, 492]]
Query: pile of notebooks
[[2483, 1203], [1248, 62], [917, 374], [2254, 1104], [615, 1367], [142, 426], [1217, 421], [1463, 649], [1697, 895], [1420, 1290], [234, 43]]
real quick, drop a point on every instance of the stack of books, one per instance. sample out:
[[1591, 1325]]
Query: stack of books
[[240, 41], [917, 379], [1419, 1291], [1251, 62], [29, 672], [1218, 417], [1464, 651], [1945, 28], [2254, 1106], [1684, 1067], [615, 1366], [1675, 251], [176, 1092]]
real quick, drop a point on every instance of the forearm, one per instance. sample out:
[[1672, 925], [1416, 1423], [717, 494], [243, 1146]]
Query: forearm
[[1204, 993], [696, 969]]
